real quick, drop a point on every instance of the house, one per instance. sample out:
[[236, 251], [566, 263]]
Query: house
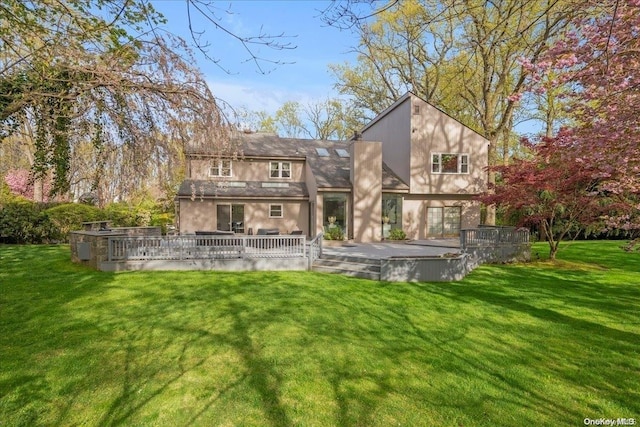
[[413, 167]]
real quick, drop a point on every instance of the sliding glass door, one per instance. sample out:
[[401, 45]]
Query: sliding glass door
[[230, 218], [444, 221]]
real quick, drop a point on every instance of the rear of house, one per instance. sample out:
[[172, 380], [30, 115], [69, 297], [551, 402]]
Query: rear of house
[[413, 168], [443, 162]]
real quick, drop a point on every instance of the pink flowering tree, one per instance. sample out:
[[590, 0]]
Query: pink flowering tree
[[21, 183], [597, 160]]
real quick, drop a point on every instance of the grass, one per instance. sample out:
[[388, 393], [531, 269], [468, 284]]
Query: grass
[[538, 344]]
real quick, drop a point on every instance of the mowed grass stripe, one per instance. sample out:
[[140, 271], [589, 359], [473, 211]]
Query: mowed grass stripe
[[542, 343]]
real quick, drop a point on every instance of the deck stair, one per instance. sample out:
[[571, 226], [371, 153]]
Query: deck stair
[[365, 268]]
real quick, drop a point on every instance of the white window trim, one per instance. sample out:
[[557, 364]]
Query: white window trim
[[281, 210], [218, 165], [279, 170], [460, 163]]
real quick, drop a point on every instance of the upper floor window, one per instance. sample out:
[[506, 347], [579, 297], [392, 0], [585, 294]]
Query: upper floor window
[[220, 168], [280, 169], [449, 163]]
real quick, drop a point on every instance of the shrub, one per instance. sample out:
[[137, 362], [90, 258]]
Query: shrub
[[5, 194], [162, 220], [397, 234], [334, 233], [25, 222], [124, 215], [70, 216]]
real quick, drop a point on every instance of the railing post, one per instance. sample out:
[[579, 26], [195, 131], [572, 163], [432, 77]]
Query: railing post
[[463, 239]]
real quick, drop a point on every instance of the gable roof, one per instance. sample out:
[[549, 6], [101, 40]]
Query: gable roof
[[331, 171], [404, 98]]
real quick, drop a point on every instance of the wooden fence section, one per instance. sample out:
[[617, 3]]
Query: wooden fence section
[[127, 248]]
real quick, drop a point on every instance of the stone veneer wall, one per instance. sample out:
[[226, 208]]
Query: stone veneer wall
[[97, 243]]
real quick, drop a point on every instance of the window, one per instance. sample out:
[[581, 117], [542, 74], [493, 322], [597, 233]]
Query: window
[[280, 169], [392, 209], [443, 222], [449, 163], [322, 152], [220, 168], [341, 152], [275, 211], [416, 110]]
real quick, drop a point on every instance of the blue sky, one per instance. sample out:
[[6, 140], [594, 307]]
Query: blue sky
[[304, 76]]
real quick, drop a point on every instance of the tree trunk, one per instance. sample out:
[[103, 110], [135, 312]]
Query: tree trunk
[[38, 190], [490, 218], [553, 249]]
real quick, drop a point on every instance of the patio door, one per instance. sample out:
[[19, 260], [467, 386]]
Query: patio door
[[335, 211], [230, 218], [443, 221]]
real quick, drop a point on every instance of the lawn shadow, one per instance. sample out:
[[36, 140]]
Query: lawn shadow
[[207, 344], [580, 310]]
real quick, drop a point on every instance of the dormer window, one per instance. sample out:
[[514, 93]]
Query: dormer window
[[220, 168], [449, 163], [280, 169]]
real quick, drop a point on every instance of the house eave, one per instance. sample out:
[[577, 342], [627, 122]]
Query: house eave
[[334, 189]]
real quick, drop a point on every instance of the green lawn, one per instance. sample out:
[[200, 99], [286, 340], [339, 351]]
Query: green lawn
[[513, 345]]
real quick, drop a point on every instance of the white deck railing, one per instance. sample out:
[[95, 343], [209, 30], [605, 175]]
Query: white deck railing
[[123, 248], [315, 249]]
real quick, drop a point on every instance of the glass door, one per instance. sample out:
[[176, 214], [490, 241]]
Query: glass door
[[434, 222], [335, 211], [443, 222], [451, 221], [230, 218], [223, 213], [237, 218]]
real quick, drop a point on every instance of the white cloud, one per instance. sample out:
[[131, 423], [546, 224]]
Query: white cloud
[[256, 97]]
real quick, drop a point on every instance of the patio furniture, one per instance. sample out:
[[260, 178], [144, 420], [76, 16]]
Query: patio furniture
[[268, 232]]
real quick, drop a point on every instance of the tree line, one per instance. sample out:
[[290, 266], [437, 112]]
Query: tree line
[[96, 96]]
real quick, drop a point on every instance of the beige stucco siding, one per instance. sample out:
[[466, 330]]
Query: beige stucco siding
[[435, 132], [247, 170], [319, 206], [295, 216], [366, 179], [315, 218], [198, 215]]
